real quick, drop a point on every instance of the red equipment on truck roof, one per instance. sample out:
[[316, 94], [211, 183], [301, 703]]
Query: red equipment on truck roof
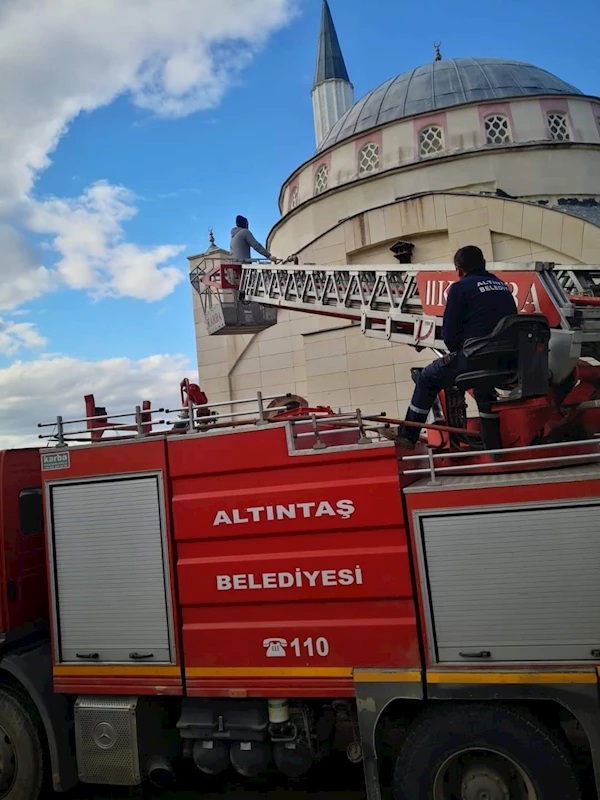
[[244, 584]]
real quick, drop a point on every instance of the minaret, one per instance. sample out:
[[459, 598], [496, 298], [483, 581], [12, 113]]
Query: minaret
[[332, 93]]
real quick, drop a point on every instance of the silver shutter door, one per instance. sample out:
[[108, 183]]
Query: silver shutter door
[[110, 571], [523, 585]]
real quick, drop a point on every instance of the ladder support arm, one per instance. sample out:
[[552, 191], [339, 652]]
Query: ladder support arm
[[405, 303]]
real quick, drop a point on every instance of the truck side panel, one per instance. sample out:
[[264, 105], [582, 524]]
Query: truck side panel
[[508, 567], [109, 534], [292, 569], [23, 575]]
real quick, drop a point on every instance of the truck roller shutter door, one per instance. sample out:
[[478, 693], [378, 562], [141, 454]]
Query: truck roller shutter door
[[111, 579], [521, 585]]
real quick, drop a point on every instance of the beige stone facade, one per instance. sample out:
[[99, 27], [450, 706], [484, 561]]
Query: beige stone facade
[[536, 165], [330, 362], [352, 201]]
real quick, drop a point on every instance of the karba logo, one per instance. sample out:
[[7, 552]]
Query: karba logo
[[237, 516], [525, 295]]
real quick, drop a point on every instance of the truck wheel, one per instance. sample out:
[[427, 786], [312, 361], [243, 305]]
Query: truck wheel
[[21, 758], [482, 752]]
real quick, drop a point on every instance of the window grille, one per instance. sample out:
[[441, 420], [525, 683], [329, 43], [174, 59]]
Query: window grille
[[322, 179], [497, 130], [368, 159], [558, 126], [431, 140]]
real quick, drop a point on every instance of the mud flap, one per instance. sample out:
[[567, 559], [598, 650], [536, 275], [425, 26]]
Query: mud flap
[[376, 689]]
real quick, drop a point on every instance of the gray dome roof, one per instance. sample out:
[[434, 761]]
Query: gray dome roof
[[443, 84]]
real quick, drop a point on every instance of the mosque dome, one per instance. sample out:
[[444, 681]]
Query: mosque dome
[[488, 152], [443, 84]]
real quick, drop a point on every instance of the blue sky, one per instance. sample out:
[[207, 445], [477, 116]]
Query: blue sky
[[201, 168]]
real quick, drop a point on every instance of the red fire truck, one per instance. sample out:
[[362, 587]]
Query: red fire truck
[[258, 583]]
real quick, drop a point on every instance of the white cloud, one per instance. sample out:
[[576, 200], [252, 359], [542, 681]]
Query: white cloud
[[38, 391], [87, 234], [15, 336], [61, 57], [21, 277]]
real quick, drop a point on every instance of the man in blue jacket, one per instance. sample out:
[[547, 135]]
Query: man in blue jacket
[[476, 303]]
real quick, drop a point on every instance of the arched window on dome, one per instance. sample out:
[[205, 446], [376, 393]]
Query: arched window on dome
[[431, 140], [558, 125], [497, 129], [294, 198], [322, 179], [368, 158]]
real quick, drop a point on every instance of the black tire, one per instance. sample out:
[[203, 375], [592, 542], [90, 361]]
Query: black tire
[[27, 761], [445, 731]]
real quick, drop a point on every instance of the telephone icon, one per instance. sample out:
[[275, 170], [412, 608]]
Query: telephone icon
[[275, 647]]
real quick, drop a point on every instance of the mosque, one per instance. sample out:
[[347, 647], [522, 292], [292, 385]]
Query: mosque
[[485, 151]]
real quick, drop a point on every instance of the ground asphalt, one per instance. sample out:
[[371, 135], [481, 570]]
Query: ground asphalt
[[339, 781]]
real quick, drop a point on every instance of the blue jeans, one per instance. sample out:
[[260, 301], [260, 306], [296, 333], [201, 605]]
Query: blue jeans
[[442, 374]]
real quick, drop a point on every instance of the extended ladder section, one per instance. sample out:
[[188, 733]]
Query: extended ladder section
[[405, 303]]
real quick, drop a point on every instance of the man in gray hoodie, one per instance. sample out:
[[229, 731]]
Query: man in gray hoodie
[[241, 242]]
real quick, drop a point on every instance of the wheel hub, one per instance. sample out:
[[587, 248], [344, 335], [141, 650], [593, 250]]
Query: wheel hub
[[8, 763], [484, 783], [481, 774]]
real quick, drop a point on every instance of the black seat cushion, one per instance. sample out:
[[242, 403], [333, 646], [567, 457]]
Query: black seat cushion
[[509, 354], [485, 379], [505, 336]]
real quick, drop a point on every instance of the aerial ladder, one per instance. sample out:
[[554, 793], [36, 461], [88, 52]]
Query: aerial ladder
[[405, 303], [401, 303]]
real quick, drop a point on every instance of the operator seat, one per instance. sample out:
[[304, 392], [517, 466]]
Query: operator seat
[[514, 356]]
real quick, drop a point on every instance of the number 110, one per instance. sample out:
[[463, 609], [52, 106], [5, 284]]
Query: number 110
[[321, 646]]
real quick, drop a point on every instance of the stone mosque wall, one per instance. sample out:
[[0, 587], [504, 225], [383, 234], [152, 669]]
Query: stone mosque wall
[[331, 362]]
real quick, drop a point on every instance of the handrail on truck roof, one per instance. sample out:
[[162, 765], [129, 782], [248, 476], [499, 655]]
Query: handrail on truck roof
[[196, 417], [319, 426]]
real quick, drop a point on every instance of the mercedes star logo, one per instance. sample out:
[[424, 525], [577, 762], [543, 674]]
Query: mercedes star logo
[[105, 735]]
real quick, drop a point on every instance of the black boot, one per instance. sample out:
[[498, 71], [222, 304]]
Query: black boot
[[406, 436], [490, 433], [396, 436]]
